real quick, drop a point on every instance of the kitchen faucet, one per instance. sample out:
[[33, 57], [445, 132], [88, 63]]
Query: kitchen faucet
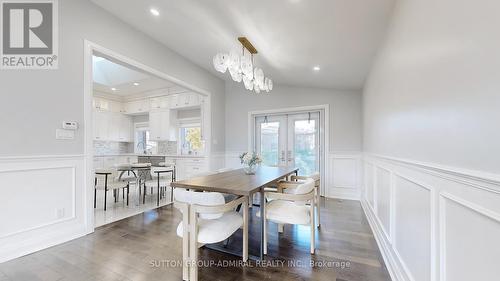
[[145, 147]]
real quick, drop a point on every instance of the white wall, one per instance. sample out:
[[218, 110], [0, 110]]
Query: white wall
[[431, 135], [49, 97], [433, 92], [345, 112], [50, 190]]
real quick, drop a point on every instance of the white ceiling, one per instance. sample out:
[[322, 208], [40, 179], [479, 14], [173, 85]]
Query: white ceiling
[[108, 74], [292, 36]]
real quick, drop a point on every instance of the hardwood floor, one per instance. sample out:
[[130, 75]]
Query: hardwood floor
[[145, 247]]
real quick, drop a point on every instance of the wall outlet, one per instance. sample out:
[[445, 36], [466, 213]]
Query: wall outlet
[[60, 213]]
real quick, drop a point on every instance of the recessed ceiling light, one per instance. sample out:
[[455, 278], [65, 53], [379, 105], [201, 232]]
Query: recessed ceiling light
[[136, 84], [154, 12], [316, 68], [113, 89]]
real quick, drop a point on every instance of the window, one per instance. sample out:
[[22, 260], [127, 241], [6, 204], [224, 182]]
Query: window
[[269, 142], [142, 141], [190, 139]]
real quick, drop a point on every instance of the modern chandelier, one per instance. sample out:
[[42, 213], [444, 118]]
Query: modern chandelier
[[241, 68]]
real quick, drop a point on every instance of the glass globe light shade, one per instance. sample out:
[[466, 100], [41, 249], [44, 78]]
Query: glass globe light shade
[[220, 62], [247, 66], [258, 77], [266, 84], [248, 83], [233, 60], [270, 84], [236, 74]]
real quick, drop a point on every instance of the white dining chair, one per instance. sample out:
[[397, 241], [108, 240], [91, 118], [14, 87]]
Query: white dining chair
[[316, 177], [291, 207], [105, 180], [206, 219], [161, 177]]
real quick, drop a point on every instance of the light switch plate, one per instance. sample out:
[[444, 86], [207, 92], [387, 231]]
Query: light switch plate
[[70, 125], [62, 134]]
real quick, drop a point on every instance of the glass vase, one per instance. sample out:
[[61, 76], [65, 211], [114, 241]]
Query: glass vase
[[250, 169]]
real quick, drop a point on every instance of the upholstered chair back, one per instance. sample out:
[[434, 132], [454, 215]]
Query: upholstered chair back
[[200, 198], [305, 187]]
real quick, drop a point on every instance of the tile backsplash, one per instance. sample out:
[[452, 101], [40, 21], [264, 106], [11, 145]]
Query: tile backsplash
[[112, 147], [167, 147]]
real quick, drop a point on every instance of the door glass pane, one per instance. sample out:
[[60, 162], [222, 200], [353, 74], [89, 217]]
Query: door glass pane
[[269, 140], [305, 146]]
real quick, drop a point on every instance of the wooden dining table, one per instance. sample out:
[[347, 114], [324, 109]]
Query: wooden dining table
[[238, 183]]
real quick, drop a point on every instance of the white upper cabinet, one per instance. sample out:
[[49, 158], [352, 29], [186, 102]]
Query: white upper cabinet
[[112, 126], [107, 105], [125, 133], [114, 121], [137, 107], [184, 100], [100, 124], [155, 121], [159, 102], [160, 126]]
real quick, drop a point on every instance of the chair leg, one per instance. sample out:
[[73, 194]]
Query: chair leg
[[158, 200], [144, 195], [171, 194], [95, 192], [318, 212], [193, 247], [185, 244], [313, 228], [105, 198], [265, 231], [245, 229], [128, 192]]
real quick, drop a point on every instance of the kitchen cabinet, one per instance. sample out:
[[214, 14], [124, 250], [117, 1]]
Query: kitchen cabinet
[[161, 127], [137, 107], [184, 100], [159, 103], [190, 167], [100, 122], [103, 104], [110, 126], [114, 122], [126, 130]]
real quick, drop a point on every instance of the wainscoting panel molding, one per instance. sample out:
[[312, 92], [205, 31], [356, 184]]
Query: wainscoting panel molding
[[43, 203], [433, 223], [344, 176]]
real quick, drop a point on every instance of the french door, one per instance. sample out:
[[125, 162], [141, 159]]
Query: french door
[[289, 140]]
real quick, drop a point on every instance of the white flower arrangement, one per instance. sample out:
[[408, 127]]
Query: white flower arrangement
[[250, 159]]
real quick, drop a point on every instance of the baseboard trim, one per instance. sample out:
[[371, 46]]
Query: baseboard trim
[[41, 244], [354, 197], [385, 250]]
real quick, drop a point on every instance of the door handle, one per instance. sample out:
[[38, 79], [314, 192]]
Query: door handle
[[282, 158], [289, 156]]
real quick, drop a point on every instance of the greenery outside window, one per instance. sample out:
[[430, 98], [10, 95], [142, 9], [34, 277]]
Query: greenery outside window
[[190, 139]]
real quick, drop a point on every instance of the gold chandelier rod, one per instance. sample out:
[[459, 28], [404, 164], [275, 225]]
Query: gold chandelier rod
[[246, 43]]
